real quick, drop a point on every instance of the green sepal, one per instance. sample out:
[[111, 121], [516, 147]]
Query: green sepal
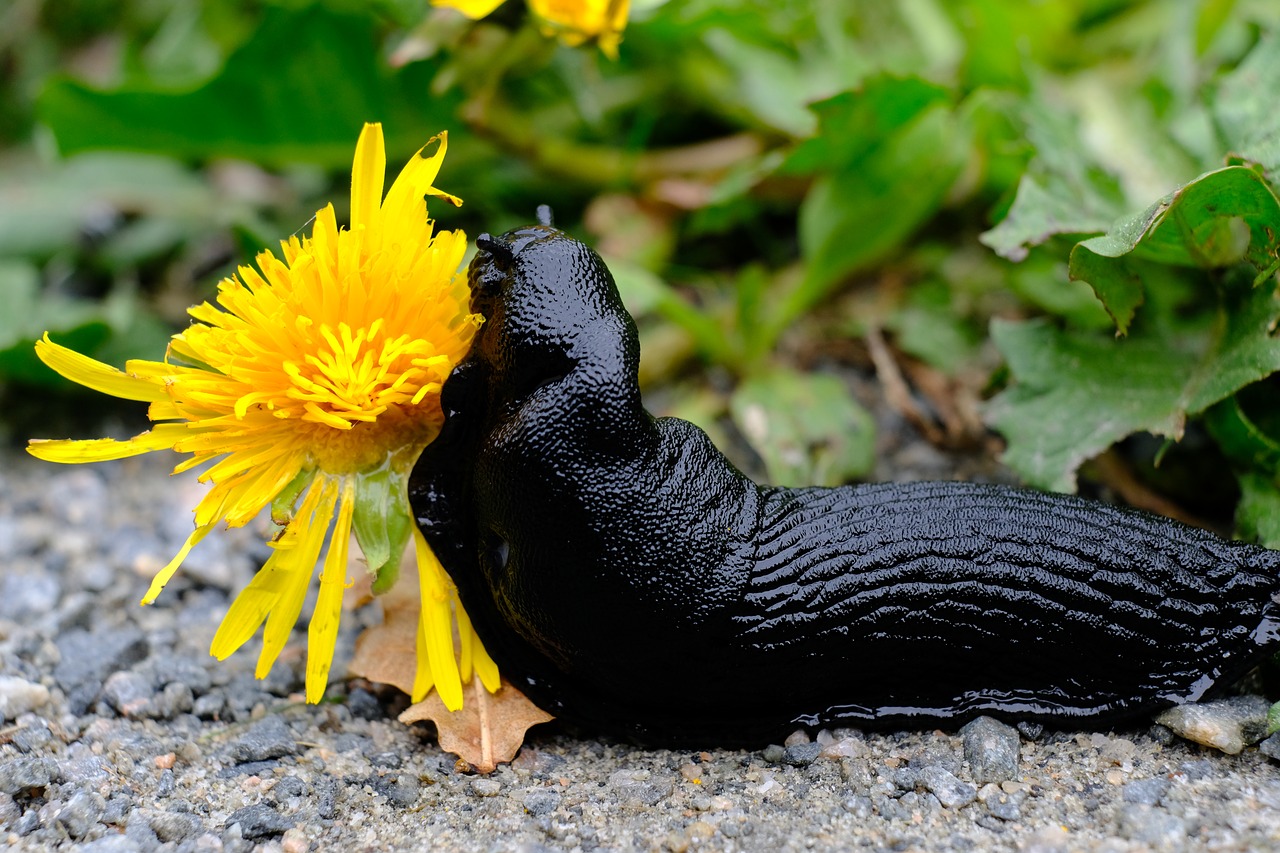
[[382, 522], [282, 504]]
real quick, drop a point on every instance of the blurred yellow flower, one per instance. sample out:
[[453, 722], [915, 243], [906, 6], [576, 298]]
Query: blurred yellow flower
[[312, 389], [574, 21]]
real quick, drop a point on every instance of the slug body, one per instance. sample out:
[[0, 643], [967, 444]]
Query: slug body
[[625, 576]]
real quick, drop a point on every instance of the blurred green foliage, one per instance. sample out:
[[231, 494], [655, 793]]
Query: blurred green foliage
[[1083, 191]]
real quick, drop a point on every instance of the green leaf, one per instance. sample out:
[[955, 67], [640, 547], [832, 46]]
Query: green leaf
[[856, 215], [1273, 719], [44, 209], [1258, 513], [1077, 393], [1245, 109], [1062, 191], [297, 91], [807, 428], [1215, 221], [382, 522], [1242, 440]]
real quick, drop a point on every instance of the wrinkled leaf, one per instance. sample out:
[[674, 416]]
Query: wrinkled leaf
[[1077, 393], [490, 728], [807, 428], [1215, 221], [1062, 192]]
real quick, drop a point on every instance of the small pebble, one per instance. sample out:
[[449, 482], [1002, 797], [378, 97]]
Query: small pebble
[[541, 801], [176, 826], [81, 812], [288, 788], [1228, 724], [1147, 792], [19, 696], [1271, 746], [486, 787], [949, 790], [801, 754], [263, 741], [129, 693], [259, 821], [25, 774], [991, 748]]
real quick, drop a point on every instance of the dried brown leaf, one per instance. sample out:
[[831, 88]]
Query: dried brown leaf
[[387, 653], [489, 729]]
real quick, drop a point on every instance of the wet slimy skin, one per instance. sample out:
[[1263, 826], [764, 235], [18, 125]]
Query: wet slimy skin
[[628, 578]]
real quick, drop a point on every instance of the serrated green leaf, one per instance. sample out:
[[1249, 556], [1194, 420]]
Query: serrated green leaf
[[1215, 221], [807, 428], [1062, 191], [1077, 393]]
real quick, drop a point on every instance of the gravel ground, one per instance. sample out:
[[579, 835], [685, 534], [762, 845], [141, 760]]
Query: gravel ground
[[120, 733]]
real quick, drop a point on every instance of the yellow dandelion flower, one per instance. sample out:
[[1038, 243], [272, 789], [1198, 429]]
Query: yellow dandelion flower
[[312, 388], [574, 21]]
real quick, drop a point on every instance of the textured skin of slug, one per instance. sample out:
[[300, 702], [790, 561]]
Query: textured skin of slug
[[627, 577]]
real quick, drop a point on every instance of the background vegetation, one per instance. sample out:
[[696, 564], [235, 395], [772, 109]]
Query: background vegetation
[[1053, 221]]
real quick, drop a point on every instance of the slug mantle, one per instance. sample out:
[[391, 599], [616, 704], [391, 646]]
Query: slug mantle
[[626, 577]]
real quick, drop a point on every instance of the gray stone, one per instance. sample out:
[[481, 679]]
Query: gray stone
[[81, 813], [28, 823], [991, 748], [486, 787], [33, 737], [774, 753], [1228, 724], [1007, 811], [326, 791], [26, 596], [801, 754], [640, 795], [10, 811], [110, 844], [268, 739], [259, 821], [25, 774], [288, 788], [402, 790], [1153, 827], [175, 699], [176, 826], [19, 696], [949, 790], [130, 694], [541, 801], [1147, 792], [1271, 746], [88, 658]]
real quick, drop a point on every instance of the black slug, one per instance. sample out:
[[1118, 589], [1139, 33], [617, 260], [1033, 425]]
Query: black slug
[[627, 577]]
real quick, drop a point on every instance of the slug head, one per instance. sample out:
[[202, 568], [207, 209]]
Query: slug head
[[550, 308]]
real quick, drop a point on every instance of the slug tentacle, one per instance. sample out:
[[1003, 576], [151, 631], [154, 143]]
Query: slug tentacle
[[626, 576]]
